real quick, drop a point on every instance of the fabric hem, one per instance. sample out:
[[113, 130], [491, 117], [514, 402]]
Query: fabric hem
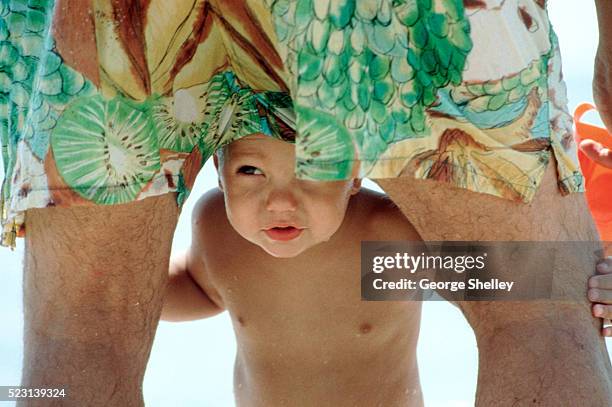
[[568, 184], [12, 228]]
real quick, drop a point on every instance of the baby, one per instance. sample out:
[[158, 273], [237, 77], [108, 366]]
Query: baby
[[282, 256]]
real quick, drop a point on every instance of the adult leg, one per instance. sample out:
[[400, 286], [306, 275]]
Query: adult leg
[[93, 288], [546, 352]]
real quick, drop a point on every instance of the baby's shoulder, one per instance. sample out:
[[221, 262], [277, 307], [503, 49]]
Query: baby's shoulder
[[379, 218], [209, 206], [209, 219], [213, 237]]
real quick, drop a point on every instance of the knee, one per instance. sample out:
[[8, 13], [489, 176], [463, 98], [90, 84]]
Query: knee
[[545, 322]]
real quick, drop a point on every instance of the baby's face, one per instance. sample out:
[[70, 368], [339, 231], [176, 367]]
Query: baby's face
[[271, 208]]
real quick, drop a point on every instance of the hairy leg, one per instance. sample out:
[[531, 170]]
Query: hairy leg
[[93, 287], [537, 352]]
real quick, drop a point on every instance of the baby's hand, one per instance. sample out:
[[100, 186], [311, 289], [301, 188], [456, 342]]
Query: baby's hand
[[597, 152], [600, 294]]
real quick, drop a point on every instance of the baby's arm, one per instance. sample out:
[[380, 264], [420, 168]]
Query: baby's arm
[[185, 300], [600, 293]]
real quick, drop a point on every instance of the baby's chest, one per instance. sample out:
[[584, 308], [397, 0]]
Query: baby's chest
[[304, 303], [259, 282]]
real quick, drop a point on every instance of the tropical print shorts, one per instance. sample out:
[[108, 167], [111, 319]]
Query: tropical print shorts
[[106, 102]]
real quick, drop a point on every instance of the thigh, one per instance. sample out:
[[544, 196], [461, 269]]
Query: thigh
[[93, 287], [442, 212]]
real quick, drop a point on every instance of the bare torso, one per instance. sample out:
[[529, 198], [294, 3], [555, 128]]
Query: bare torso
[[304, 336]]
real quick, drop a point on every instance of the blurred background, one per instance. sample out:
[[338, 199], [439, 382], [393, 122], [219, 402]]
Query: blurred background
[[191, 363]]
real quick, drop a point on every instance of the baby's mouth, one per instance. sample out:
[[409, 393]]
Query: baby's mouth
[[283, 233]]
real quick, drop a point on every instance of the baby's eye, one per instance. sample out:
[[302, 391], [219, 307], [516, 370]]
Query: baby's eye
[[249, 170]]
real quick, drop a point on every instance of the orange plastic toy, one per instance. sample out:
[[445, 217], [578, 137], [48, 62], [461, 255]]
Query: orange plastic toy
[[598, 178]]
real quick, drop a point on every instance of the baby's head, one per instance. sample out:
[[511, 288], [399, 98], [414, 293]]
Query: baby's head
[[268, 206]]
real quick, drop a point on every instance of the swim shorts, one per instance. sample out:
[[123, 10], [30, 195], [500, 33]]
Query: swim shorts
[[106, 102]]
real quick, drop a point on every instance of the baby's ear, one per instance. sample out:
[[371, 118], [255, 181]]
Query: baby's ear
[[216, 162], [356, 186]]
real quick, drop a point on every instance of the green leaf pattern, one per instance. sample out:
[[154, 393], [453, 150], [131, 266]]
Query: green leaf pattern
[[375, 65]]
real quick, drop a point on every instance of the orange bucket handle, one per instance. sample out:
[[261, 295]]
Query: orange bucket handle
[[581, 110]]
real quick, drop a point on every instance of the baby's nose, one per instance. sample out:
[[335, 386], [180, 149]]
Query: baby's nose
[[281, 200]]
